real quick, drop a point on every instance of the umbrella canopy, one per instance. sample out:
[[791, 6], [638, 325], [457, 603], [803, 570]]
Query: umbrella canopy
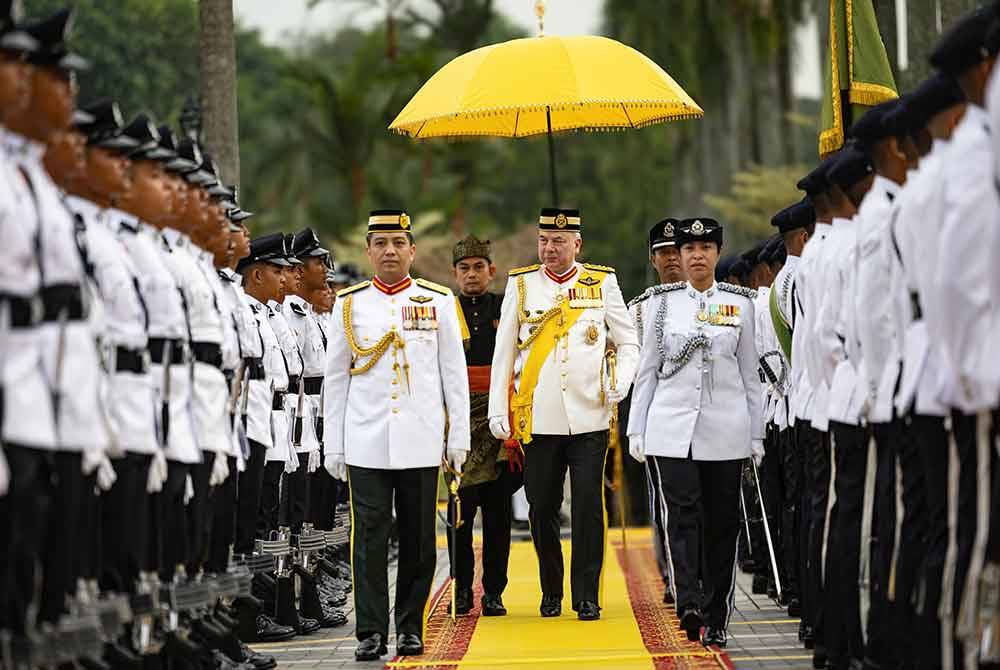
[[541, 85]]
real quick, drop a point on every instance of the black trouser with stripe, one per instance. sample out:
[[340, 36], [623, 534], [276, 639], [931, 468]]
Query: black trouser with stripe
[[703, 523], [493, 498], [295, 495], [270, 516], [223, 524], [815, 446], [843, 557], [199, 513], [372, 494], [249, 487], [546, 460], [792, 476], [170, 534], [882, 542], [931, 440], [68, 497], [772, 489]]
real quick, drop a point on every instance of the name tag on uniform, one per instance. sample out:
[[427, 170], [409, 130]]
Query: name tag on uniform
[[582, 297], [724, 315], [423, 317]]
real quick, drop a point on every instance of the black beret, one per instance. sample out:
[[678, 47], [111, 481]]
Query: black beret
[[965, 43], [872, 127], [852, 165], [800, 215]]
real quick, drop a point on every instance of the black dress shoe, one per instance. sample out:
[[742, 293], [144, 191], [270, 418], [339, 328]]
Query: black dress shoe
[[332, 618], [551, 606], [794, 607], [691, 622], [820, 657], [587, 610], [463, 601], [714, 637], [257, 660], [492, 605], [409, 644], [307, 626], [809, 638], [269, 631], [371, 648]]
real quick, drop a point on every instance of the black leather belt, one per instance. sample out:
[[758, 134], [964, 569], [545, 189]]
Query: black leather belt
[[918, 312], [159, 346], [130, 360], [62, 299], [293, 384], [278, 401], [208, 353], [254, 368], [24, 312], [313, 385]]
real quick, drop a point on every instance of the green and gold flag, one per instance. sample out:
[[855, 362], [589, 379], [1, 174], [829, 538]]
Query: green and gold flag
[[857, 73]]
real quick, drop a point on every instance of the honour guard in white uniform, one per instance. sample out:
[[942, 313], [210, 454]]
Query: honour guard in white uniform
[[395, 370], [556, 323], [696, 408]]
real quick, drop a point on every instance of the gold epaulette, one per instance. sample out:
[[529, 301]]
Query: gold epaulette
[[599, 268], [523, 271], [431, 286], [353, 289]]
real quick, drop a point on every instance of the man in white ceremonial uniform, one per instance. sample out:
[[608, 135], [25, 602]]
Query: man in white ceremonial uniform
[[911, 243], [665, 258], [962, 305], [696, 409], [804, 299], [556, 322], [311, 344], [836, 356], [795, 224], [395, 370]]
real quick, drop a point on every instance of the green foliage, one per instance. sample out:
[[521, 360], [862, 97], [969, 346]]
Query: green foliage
[[315, 149]]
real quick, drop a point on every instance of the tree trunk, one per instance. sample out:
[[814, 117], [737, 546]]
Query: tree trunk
[[217, 60]]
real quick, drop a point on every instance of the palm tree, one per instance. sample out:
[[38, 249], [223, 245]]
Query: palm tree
[[217, 59]]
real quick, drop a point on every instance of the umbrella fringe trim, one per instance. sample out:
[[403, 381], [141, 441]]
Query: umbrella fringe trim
[[413, 129]]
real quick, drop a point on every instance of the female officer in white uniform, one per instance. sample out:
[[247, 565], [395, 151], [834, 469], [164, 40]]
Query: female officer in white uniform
[[696, 409]]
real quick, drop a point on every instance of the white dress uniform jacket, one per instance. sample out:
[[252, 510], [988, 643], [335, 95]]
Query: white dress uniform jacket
[[567, 398], [965, 303], [129, 399], [875, 307], [769, 352], [806, 296], [835, 349], [282, 420], [261, 391], [302, 322], [384, 418], [784, 284], [27, 410], [915, 234], [697, 390]]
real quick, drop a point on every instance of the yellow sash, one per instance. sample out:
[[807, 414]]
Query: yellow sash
[[462, 325], [549, 333]]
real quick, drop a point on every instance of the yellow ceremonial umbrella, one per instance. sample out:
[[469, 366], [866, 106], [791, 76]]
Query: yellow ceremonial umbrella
[[537, 85]]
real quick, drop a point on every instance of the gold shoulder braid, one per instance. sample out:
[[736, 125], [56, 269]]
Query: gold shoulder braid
[[524, 317], [375, 353]]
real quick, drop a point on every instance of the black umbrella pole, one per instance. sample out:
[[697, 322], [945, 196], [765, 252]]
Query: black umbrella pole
[[552, 160]]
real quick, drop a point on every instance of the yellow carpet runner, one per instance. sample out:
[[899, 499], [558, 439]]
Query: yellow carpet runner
[[636, 629]]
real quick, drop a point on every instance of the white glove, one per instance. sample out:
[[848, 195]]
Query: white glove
[[91, 460], [292, 462], [637, 448], [220, 469], [314, 461], [500, 427], [188, 489], [613, 396], [106, 475], [157, 473], [4, 475], [757, 451], [336, 466], [456, 459]]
